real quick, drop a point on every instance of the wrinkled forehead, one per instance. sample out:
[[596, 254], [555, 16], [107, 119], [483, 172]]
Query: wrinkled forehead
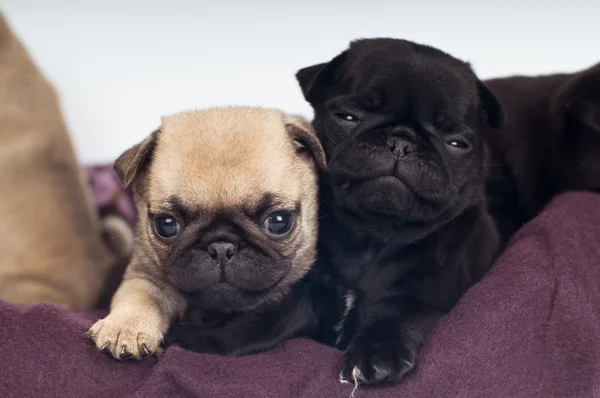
[[225, 166], [416, 83]]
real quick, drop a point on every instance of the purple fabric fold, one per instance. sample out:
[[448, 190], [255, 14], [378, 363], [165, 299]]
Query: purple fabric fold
[[530, 328]]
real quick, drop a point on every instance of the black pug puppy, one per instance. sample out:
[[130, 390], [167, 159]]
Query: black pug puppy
[[404, 220], [550, 144]]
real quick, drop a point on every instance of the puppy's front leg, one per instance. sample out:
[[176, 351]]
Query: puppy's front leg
[[385, 349], [141, 313]]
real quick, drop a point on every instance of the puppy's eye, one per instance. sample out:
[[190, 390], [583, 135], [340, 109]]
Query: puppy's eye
[[278, 223], [458, 145], [347, 117], [166, 226]]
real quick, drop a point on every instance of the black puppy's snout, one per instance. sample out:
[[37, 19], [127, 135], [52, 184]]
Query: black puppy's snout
[[221, 251], [399, 146], [401, 141]]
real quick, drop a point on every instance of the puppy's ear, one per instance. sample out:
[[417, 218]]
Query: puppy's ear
[[129, 165], [314, 80], [492, 107], [305, 140], [306, 78], [579, 99]]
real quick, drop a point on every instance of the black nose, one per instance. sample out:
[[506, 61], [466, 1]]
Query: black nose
[[221, 251], [399, 146]]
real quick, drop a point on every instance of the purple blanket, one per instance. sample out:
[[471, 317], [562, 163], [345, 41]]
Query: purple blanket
[[531, 328]]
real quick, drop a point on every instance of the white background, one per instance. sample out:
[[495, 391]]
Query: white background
[[119, 65]]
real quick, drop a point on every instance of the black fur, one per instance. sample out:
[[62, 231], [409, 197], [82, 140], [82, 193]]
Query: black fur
[[550, 144], [404, 221]]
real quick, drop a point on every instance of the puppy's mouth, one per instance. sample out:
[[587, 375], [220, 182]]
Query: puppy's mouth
[[226, 295], [388, 199], [392, 180]]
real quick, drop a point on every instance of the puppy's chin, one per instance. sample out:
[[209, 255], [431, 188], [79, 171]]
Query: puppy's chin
[[224, 296], [389, 206]]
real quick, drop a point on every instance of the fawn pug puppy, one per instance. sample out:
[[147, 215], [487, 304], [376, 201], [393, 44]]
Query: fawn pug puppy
[[227, 202]]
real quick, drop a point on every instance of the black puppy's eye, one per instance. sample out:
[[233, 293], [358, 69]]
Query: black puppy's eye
[[278, 223], [458, 145], [347, 117], [166, 226]]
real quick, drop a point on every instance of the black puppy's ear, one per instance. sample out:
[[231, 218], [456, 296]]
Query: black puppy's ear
[[579, 98], [306, 78], [305, 140], [315, 79], [129, 165], [492, 107]]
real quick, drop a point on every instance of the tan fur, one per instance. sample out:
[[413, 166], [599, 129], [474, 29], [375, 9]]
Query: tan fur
[[235, 161], [216, 159], [50, 237]]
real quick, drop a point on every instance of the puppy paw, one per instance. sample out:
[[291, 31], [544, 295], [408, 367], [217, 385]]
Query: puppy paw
[[127, 337], [371, 363]]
